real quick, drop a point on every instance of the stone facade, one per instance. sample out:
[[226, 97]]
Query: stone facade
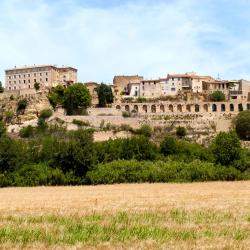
[[121, 84], [91, 86], [47, 75]]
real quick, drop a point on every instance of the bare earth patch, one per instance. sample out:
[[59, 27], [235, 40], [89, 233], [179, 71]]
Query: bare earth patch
[[214, 215]]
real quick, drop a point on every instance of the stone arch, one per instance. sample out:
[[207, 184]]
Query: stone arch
[[162, 108], [205, 107], [153, 109], [171, 108], [240, 107], [145, 108], [231, 107], [197, 108], [214, 108], [118, 107], [179, 108], [223, 107], [127, 108], [188, 107], [248, 106], [136, 108]]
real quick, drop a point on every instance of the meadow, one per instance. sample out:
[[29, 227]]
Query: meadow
[[213, 215]]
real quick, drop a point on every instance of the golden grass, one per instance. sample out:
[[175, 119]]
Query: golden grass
[[214, 215]]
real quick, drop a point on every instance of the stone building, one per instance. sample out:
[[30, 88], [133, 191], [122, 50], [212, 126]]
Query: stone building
[[124, 84], [47, 75], [92, 86]]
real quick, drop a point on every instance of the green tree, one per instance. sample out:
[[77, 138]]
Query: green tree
[[242, 124], [1, 87], [226, 148], [169, 146], [217, 96], [105, 95], [76, 98], [56, 96], [22, 104], [181, 132]]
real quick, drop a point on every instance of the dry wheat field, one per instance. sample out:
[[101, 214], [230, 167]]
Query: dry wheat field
[[214, 215]]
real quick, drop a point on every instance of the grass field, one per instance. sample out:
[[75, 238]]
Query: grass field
[[137, 216]]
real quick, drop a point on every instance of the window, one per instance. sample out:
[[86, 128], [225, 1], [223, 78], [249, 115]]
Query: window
[[29, 86], [14, 82], [9, 88], [24, 75], [28, 81], [172, 89], [172, 79], [34, 80], [47, 80], [14, 76], [9, 77], [24, 81], [19, 76], [179, 79], [9, 82], [41, 74], [46, 73], [34, 74], [172, 83], [28, 75]]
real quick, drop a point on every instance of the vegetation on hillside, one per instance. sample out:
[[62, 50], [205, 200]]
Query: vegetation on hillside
[[59, 157], [217, 96]]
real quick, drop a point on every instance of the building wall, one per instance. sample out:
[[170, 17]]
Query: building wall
[[121, 83], [47, 76], [150, 88]]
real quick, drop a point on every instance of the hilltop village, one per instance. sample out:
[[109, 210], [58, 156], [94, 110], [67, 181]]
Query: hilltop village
[[202, 104]]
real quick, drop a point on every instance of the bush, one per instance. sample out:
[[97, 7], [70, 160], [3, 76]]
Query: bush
[[169, 146], [45, 114], [8, 116], [81, 123], [217, 96], [170, 171], [26, 132], [22, 104], [139, 148], [126, 114], [144, 130], [242, 124], [56, 96], [2, 128], [181, 132], [226, 148], [37, 175]]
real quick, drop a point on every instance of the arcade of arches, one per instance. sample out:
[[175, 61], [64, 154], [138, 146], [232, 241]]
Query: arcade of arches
[[151, 108]]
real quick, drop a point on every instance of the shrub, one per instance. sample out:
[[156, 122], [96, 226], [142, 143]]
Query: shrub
[[2, 128], [22, 104], [242, 124], [144, 130], [37, 175], [126, 114], [181, 132], [226, 148], [169, 171], [45, 114], [37, 86], [217, 96], [81, 123], [8, 116], [56, 96], [169, 146], [26, 132]]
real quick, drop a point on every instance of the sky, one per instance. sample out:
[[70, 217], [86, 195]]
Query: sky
[[107, 38]]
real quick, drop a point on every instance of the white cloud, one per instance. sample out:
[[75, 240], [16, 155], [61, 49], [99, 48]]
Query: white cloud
[[148, 39]]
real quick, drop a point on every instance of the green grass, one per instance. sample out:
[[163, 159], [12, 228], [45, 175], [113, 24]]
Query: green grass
[[175, 225]]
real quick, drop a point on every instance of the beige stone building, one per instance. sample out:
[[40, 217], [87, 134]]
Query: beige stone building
[[92, 86], [123, 84], [47, 75]]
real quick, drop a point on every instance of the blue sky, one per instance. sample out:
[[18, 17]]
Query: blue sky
[[150, 38]]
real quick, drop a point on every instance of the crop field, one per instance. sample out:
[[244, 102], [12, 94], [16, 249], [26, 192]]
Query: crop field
[[214, 215]]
